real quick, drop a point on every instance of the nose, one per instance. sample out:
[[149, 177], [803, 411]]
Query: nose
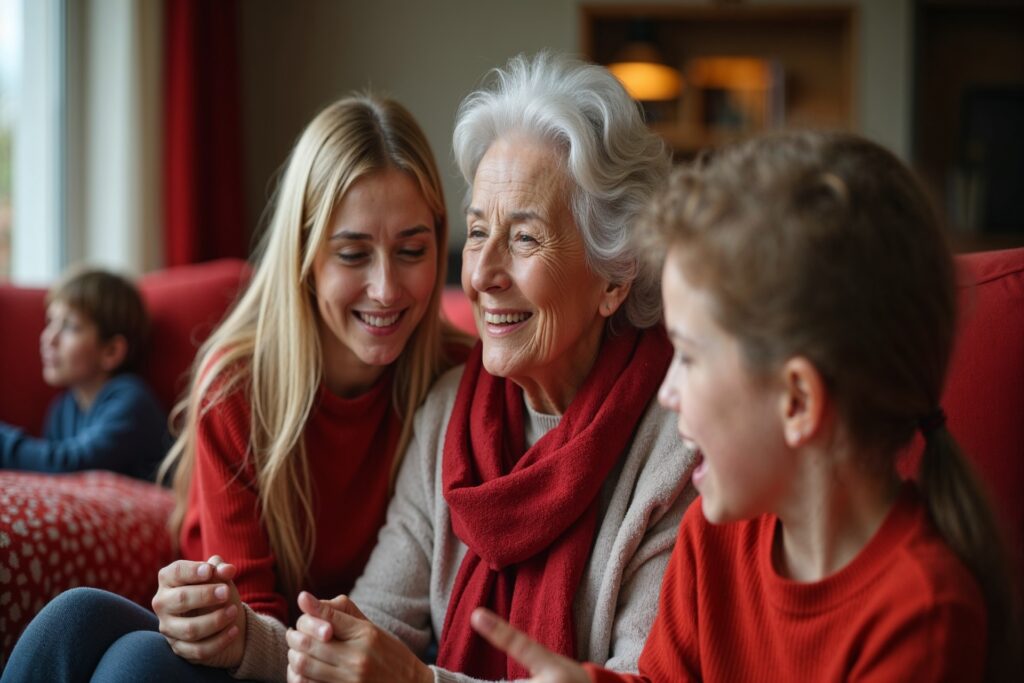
[[488, 270], [668, 396], [383, 286], [48, 337]]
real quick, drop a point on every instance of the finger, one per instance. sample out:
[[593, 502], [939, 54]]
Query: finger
[[224, 570], [184, 572], [312, 668], [345, 604], [203, 650], [201, 627], [328, 652], [185, 599], [309, 604], [294, 677], [315, 627], [512, 641], [315, 607], [227, 571]]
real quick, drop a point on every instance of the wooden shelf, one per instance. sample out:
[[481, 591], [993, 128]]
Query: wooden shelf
[[815, 47]]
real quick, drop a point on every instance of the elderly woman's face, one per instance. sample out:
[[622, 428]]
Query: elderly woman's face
[[538, 306]]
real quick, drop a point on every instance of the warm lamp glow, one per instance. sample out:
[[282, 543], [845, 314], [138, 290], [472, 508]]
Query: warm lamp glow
[[647, 80], [734, 73]]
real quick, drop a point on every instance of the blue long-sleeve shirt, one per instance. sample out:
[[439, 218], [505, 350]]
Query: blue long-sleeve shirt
[[124, 430]]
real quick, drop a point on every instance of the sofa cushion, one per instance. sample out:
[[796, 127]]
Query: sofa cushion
[[85, 529]]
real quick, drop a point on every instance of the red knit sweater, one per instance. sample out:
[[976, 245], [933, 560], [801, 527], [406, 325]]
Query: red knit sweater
[[905, 609], [350, 444]]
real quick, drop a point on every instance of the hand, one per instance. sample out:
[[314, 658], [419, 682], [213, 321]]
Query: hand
[[334, 641], [544, 665], [201, 614]]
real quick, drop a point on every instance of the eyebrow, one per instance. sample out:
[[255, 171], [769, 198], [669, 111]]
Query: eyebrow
[[349, 235], [525, 215], [677, 336]]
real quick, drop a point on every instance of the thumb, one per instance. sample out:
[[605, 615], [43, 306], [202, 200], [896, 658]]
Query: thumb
[[535, 657], [343, 625]]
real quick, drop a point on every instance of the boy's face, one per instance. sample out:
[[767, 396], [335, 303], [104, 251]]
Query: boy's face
[[73, 354]]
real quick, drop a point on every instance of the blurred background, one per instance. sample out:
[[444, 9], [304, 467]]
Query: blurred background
[[140, 134]]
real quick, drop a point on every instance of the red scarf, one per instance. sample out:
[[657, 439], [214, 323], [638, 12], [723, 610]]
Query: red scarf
[[529, 516]]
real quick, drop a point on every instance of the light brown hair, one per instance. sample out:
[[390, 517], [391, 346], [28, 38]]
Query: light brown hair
[[110, 302], [269, 345], [825, 246]]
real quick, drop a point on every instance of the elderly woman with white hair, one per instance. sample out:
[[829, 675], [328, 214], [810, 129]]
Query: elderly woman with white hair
[[543, 480]]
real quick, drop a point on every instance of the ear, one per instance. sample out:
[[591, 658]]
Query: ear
[[113, 352], [802, 407], [612, 297]]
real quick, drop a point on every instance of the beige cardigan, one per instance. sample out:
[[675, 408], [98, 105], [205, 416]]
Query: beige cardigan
[[409, 577]]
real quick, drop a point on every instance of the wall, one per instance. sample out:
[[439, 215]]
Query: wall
[[298, 57]]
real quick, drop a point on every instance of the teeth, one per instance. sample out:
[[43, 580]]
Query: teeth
[[379, 320], [504, 318]]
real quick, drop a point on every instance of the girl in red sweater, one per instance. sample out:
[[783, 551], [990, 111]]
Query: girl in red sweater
[[299, 408], [809, 294]]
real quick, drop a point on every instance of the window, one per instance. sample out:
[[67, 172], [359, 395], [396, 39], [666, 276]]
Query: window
[[32, 95], [10, 72]]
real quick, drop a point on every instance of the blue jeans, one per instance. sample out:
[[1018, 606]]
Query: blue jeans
[[86, 634]]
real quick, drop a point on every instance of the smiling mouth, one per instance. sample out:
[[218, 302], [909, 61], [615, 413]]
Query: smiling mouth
[[379, 320], [506, 318]]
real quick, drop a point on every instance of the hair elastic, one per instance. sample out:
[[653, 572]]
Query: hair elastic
[[932, 421]]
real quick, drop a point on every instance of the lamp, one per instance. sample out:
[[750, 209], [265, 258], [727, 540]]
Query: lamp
[[641, 69]]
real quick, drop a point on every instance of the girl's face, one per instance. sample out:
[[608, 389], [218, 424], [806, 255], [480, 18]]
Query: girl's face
[[373, 277], [732, 415]]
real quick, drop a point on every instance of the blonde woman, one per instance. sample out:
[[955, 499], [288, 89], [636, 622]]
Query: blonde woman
[[295, 414]]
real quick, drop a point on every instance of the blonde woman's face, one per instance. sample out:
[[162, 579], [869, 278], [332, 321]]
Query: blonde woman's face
[[373, 277]]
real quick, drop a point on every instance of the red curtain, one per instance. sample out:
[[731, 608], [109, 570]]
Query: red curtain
[[203, 201]]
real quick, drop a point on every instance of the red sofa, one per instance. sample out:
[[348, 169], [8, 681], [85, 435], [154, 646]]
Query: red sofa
[[93, 528]]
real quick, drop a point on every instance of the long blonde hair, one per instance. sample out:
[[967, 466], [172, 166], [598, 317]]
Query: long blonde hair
[[268, 344], [826, 246]]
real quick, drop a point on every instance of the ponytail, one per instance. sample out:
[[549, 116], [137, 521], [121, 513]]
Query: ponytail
[[960, 511]]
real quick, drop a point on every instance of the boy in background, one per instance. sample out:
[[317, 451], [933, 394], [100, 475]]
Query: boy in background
[[107, 418]]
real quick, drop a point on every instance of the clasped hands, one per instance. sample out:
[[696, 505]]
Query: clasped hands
[[334, 642], [200, 612], [203, 620]]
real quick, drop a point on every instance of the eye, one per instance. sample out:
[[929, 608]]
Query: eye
[[352, 257], [525, 238], [476, 233], [412, 253], [682, 359]]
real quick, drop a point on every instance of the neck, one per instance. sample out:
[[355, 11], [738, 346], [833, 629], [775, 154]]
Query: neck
[[344, 373], [85, 394], [552, 388], [833, 511]]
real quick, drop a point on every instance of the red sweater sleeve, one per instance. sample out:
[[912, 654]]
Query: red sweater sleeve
[[224, 498]]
